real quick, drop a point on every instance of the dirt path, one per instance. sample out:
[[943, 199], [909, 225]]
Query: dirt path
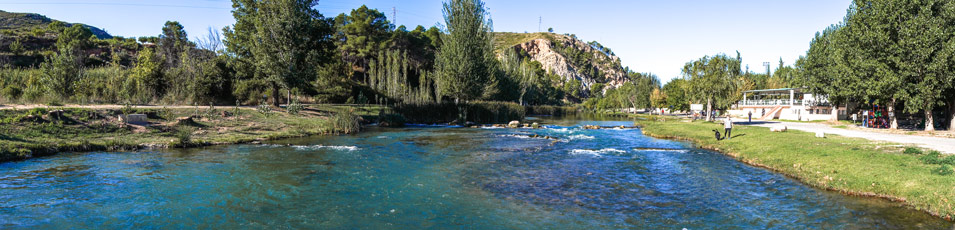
[[945, 145]]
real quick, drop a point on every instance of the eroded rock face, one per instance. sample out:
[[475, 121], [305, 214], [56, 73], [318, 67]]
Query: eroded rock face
[[544, 51]]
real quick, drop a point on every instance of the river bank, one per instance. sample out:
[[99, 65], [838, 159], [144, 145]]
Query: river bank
[[45, 131], [851, 166]]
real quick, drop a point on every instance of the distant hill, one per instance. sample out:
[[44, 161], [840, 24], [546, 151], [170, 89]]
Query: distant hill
[[22, 23], [567, 56]]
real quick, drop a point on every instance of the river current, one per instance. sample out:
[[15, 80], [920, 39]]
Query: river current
[[559, 177]]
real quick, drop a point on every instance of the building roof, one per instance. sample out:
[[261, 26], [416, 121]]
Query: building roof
[[772, 90]]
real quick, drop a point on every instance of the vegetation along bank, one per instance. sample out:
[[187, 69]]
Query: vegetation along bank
[[38, 132]]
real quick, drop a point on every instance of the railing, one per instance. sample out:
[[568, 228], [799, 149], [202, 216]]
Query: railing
[[766, 102], [782, 102]]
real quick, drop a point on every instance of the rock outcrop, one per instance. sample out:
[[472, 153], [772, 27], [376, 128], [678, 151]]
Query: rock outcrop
[[547, 52]]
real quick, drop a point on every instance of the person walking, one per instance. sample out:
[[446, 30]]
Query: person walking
[[728, 128]]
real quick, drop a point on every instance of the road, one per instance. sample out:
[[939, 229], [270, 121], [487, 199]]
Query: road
[[944, 145]]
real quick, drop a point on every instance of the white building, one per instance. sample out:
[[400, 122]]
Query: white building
[[785, 104]]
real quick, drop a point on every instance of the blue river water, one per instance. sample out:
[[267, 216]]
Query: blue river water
[[560, 177]]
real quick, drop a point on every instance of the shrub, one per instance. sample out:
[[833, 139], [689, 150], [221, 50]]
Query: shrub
[[183, 137], [912, 151], [12, 92], [391, 120], [265, 109], [932, 158], [294, 107], [944, 170], [950, 160], [479, 111], [345, 122]]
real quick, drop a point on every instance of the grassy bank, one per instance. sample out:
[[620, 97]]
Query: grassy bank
[[38, 132], [853, 166]]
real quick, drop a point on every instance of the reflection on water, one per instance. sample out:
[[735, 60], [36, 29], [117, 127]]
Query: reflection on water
[[430, 177]]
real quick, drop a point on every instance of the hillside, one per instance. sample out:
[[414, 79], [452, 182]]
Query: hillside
[[25, 23], [567, 56]]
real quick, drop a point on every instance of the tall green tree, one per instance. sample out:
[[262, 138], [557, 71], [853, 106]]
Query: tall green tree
[[713, 81], [675, 93], [925, 50], [465, 63], [279, 44], [172, 43], [825, 70], [361, 35], [893, 53]]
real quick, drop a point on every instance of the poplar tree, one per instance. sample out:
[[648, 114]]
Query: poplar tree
[[465, 62]]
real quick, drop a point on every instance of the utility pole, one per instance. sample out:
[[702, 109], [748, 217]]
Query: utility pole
[[539, 20], [394, 16], [767, 68]]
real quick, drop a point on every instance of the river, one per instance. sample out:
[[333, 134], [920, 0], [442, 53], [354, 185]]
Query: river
[[431, 177]]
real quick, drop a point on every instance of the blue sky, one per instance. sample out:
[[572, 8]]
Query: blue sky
[[649, 36]]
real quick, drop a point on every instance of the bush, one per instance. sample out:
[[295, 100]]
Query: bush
[[183, 137], [944, 170], [932, 158], [912, 151], [950, 160], [12, 92], [345, 122], [479, 111], [295, 108], [265, 109], [391, 120]]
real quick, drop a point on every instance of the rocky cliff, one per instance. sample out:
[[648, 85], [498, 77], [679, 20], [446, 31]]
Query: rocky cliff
[[568, 57]]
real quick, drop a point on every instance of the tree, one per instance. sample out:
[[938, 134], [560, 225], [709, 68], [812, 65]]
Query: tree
[[212, 41], [925, 54], [278, 44], [658, 99], [888, 52], [713, 80], [825, 68], [60, 73], [676, 97], [146, 80], [465, 63], [64, 68], [361, 35], [172, 43]]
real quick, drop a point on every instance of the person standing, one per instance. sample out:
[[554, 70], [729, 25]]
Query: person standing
[[728, 128], [750, 116]]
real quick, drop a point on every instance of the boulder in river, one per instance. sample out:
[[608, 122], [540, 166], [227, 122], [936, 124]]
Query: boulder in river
[[514, 124]]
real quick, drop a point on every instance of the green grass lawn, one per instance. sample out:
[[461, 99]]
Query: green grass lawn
[[849, 165]]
